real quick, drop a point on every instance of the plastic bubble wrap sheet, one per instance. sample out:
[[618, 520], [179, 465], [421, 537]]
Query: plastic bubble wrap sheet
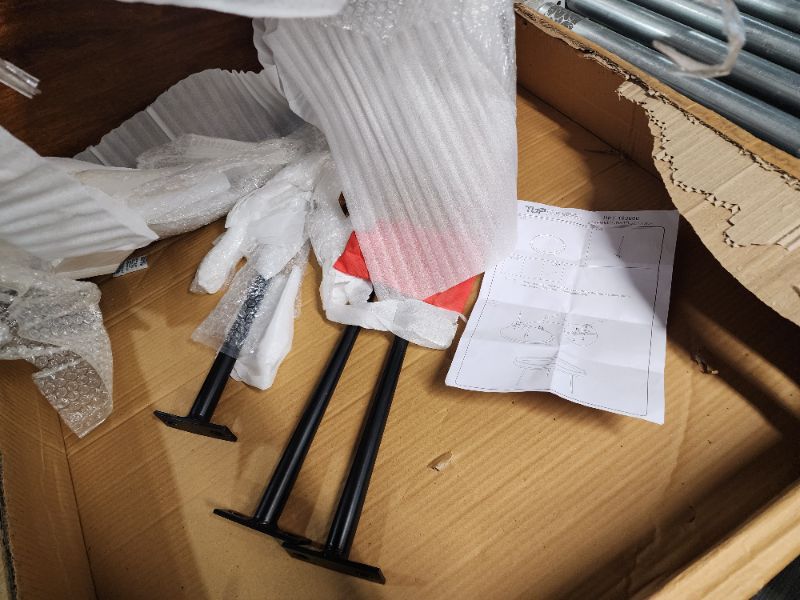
[[214, 103], [55, 323], [416, 99], [262, 8]]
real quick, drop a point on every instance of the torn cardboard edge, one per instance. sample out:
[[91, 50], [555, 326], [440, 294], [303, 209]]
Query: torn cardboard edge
[[708, 163], [762, 151], [736, 563], [757, 234]]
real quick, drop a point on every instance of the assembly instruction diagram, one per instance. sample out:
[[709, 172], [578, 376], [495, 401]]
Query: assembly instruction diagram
[[579, 309]]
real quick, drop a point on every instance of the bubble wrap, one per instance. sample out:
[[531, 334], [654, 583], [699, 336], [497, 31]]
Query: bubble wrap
[[416, 99], [215, 103], [262, 8], [55, 323]]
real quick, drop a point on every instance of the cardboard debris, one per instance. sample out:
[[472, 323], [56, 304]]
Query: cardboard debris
[[440, 463]]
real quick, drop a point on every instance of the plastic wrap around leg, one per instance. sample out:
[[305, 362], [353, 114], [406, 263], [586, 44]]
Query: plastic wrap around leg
[[416, 100], [271, 322], [267, 226], [55, 323]]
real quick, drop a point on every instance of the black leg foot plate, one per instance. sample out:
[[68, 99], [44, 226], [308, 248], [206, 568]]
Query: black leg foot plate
[[271, 530], [192, 425], [334, 562]]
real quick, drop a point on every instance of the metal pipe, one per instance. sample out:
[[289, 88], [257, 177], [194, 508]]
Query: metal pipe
[[783, 13], [751, 73], [354, 492], [765, 121], [765, 39]]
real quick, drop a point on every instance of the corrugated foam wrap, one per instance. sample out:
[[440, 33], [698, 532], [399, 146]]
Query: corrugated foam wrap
[[417, 102]]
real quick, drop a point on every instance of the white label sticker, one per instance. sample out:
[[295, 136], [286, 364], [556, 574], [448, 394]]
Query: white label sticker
[[132, 264]]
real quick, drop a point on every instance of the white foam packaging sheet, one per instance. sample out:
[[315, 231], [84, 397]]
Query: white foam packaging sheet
[[345, 298], [78, 230], [262, 8], [417, 102], [215, 103]]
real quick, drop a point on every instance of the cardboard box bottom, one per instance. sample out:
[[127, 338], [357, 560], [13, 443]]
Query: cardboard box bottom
[[540, 497]]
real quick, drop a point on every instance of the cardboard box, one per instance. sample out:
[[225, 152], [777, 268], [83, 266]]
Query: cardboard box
[[539, 498]]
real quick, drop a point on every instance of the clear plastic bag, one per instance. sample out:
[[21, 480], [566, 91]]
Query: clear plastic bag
[[55, 323]]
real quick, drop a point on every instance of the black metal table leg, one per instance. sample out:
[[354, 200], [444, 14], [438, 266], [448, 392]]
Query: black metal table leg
[[336, 551], [269, 509]]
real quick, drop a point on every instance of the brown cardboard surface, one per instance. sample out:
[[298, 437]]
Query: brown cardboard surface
[[541, 498], [704, 161], [43, 547], [757, 236]]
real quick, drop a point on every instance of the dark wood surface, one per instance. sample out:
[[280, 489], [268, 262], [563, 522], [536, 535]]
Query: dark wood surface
[[101, 61]]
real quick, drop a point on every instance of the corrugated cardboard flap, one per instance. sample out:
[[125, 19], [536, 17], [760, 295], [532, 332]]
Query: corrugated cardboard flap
[[740, 194]]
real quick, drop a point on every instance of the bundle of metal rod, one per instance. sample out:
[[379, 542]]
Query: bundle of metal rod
[[755, 75], [199, 418], [765, 39], [785, 13], [763, 120]]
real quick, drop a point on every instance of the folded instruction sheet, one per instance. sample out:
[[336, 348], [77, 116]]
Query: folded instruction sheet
[[579, 309]]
